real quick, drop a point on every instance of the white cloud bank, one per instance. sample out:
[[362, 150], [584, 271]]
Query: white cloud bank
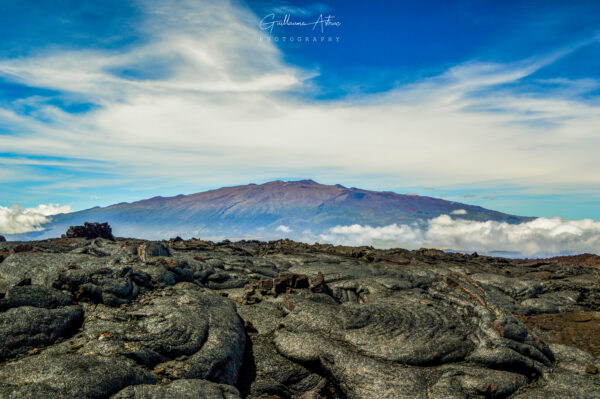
[[16, 220], [537, 238]]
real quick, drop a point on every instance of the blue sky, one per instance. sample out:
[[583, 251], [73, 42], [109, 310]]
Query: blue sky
[[483, 102]]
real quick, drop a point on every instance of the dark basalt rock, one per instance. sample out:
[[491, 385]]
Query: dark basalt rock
[[119, 319], [22, 248], [37, 296], [183, 331], [152, 250], [60, 374], [28, 328], [90, 231], [2, 238], [269, 373], [180, 389]]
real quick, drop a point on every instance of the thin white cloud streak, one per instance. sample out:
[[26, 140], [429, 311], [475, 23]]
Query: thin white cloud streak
[[311, 9], [540, 237], [223, 105], [459, 212], [17, 220]]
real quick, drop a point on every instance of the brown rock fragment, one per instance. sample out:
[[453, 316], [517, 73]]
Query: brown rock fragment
[[591, 369], [317, 284], [310, 395]]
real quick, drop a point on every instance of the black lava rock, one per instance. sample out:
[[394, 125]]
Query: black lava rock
[[134, 319], [90, 231]]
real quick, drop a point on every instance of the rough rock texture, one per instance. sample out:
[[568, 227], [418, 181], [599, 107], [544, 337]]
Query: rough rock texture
[[28, 328], [182, 389], [90, 230], [2, 238], [579, 329], [97, 318]]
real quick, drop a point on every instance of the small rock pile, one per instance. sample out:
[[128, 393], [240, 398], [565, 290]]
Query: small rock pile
[[284, 283], [90, 231]]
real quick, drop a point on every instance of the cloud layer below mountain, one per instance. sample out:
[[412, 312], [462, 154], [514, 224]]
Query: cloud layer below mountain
[[17, 220], [538, 238], [541, 237]]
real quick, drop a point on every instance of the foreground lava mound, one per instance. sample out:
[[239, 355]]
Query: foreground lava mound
[[97, 318]]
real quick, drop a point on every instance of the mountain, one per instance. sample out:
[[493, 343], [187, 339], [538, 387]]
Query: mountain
[[257, 211]]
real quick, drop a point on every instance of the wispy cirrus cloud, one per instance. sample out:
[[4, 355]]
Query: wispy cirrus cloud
[[286, 8], [490, 197]]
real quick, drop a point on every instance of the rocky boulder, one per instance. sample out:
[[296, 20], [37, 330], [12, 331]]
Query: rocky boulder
[[90, 231]]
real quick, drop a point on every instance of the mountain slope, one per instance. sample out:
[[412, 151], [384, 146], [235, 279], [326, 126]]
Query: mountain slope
[[256, 211]]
